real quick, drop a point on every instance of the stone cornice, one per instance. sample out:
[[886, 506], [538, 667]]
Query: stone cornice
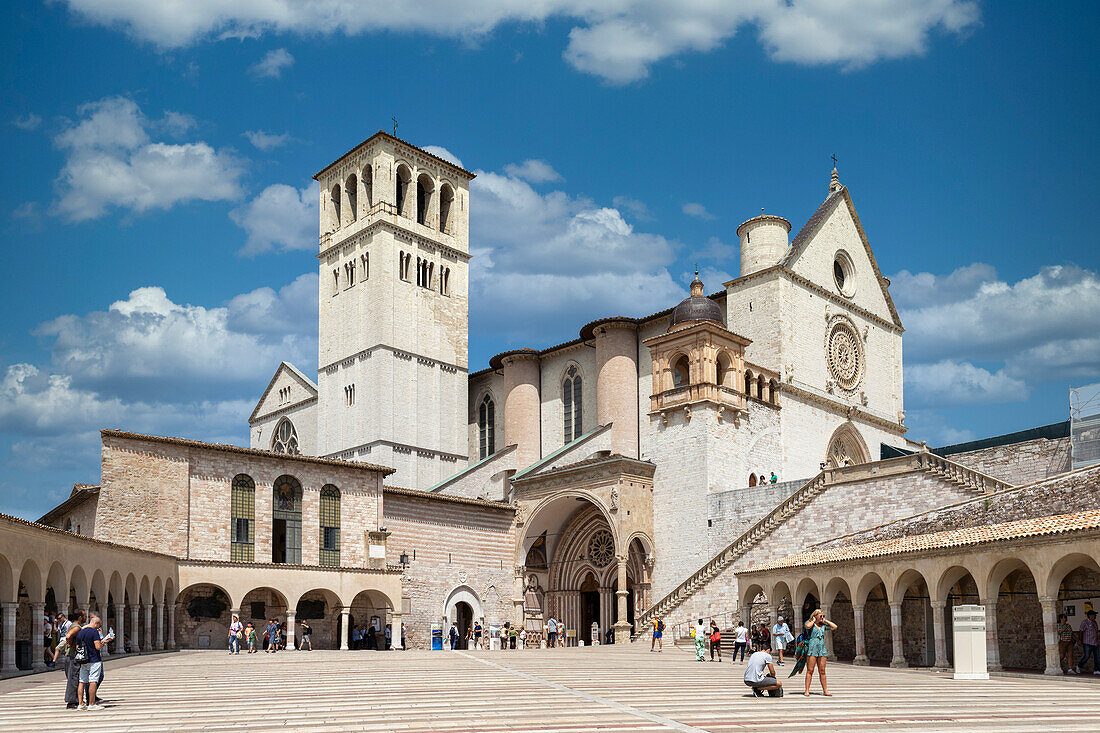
[[284, 410], [853, 412], [365, 353], [390, 222], [402, 447], [602, 469]]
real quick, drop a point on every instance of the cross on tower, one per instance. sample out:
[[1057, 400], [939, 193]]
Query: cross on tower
[[834, 160], [395, 127]]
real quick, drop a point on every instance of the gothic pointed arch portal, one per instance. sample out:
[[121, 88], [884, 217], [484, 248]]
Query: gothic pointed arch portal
[[846, 448]]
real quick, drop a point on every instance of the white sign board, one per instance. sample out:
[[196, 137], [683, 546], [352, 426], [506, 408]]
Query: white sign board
[[968, 629]]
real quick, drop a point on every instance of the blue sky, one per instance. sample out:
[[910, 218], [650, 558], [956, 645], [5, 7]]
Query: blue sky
[[159, 225]]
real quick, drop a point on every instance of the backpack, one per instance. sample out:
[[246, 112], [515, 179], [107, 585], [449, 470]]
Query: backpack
[[660, 625], [82, 654]]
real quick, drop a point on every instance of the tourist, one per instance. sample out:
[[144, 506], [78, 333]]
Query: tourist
[[389, 636], [551, 632], [250, 636], [658, 632], [235, 631], [781, 636], [715, 641], [89, 643], [816, 654], [522, 637], [126, 645], [356, 637], [700, 634], [452, 636], [67, 647], [272, 636], [403, 644], [282, 635], [765, 636], [469, 638], [1065, 641], [513, 637], [307, 632], [760, 675], [1087, 634], [504, 635], [740, 640], [477, 633], [774, 479]]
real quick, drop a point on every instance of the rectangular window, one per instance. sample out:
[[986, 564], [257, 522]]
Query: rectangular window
[[330, 534]]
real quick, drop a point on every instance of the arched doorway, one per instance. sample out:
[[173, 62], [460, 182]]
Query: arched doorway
[[464, 619], [590, 608]]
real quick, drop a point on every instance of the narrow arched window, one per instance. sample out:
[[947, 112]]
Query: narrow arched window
[[424, 189], [446, 199], [285, 439], [404, 178], [486, 427], [243, 506], [681, 372], [572, 403], [336, 206], [330, 526]]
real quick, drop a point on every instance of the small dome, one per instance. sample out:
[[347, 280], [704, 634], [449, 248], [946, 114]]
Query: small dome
[[697, 307]]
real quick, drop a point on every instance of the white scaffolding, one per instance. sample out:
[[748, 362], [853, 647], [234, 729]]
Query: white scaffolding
[[1084, 425]]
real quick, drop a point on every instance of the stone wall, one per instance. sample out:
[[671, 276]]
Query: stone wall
[[452, 545], [731, 513], [1019, 463]]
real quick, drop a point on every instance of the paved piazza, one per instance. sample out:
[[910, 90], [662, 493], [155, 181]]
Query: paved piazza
[[569, 690]]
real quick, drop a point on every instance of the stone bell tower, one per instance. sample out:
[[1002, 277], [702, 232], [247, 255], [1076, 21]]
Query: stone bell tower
[[394, 310]]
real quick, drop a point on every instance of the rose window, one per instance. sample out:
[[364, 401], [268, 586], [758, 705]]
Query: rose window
[[844, 351], [601, 548]]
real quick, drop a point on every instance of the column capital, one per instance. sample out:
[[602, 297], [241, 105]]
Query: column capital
[[939, 605], [37, 605], [9, 605], [291, 613], [858, 606]]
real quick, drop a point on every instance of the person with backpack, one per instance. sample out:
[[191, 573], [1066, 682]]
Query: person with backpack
[[67, 649], [307, 641], [235, 633], [658, 632], [89, 643], [715, 641], [250, 637]]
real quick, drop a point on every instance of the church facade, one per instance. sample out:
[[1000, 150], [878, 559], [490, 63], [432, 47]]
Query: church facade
[[641, 469]]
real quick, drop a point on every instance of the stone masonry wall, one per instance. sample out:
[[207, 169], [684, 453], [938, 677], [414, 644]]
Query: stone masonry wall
[[1019, 463], [450, 545], [731, 513], [838, 510]]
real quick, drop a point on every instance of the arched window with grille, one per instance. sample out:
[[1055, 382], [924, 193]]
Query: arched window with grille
[[330, 526], [572, 403], [243, 505], [285, 439], [486, 427]]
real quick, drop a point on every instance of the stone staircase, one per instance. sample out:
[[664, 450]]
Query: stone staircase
[[961, 476]]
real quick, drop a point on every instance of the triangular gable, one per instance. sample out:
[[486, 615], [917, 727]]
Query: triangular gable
[[814, 225], [297, 375]]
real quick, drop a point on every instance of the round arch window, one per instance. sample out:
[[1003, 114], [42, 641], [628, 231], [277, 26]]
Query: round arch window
[[844, 274]]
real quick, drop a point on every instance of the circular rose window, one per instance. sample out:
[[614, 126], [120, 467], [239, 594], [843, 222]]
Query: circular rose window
[[601, 548], [844, 351]]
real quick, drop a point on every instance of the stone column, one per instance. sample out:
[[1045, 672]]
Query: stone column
[[617, 384], [895, 633], [518, 589], [827, 608], [171, 641], [63, 608], [1050, 635], [521, 406], [607, 612], [135, 642], [938, 627], [147, 630], [120, 632], [159, 608], [992, 647], [622, 625], [37, 647], [395, 631], [290, 621], [773, 614], [344, 612], [9, 667], [861, 642]]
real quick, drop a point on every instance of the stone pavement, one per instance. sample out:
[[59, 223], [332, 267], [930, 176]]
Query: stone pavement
[[603, 688]]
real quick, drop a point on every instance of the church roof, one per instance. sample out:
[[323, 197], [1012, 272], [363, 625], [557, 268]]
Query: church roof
[[386, 136], [80, 494], [306, 382]]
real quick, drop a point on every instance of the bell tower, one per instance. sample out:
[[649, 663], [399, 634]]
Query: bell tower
[[394, 310]]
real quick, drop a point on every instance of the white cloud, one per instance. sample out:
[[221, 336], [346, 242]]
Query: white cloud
[[961, 383], [971, 315], [112, 162], [442, 152], [28, 122], [273, 64], [533, 171], [548, 263], [267, 140], [281, 217], [179, 124], [697, 211], [637, 209], [617, 40], [149, 348]]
